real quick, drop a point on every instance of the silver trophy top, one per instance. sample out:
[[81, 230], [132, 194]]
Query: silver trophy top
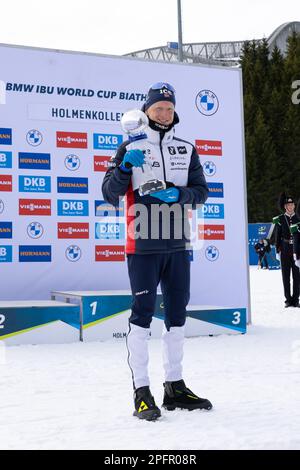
[[134, 122]]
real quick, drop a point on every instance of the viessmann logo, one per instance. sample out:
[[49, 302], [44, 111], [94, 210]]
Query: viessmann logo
[[72, 230], [6, 183], [102, 163], [209, 147], [211, 232], [71, 139], [109, 253], [34, 206]]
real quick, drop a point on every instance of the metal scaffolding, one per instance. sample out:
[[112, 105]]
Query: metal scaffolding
[[221, 53]]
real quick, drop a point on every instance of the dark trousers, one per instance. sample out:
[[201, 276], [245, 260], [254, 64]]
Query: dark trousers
[[288, 265], [172, 271], [263, 260]]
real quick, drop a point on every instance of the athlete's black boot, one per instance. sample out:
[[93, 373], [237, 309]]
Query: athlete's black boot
[[177, 395], [145, 407]]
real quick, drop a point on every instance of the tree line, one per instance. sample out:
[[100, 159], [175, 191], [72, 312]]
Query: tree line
[[272, 125]]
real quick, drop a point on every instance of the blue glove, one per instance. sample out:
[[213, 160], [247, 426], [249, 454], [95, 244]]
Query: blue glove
[[167, 195], [132, 158]]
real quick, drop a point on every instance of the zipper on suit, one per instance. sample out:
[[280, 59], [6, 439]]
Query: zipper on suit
[[162, 155]]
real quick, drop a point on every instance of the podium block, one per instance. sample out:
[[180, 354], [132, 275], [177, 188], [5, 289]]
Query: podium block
[[38, 322], [103, 314]]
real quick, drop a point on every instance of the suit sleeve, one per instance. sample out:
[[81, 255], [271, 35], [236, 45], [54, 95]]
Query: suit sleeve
[[296, 237], [116, 181], [196, 191], [278, 236]]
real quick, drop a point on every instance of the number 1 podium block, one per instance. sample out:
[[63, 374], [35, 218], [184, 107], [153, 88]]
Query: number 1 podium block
[[103, 314]]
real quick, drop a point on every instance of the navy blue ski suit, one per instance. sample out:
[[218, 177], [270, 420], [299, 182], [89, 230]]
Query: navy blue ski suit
[[159, 259]]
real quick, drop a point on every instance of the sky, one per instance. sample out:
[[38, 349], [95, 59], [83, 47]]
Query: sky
[[118, 27]]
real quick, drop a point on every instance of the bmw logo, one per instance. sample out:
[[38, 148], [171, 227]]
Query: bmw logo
[[211, 253], [73, 253], [34, 137], [1, 206], [35, 230], [209, 168], [72, 162], [207, 102]]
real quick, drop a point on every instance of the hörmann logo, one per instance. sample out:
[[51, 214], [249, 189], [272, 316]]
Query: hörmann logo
[[34, 161], [109, 253], [103, 209], [72, 185], [34, 254], [215, 190], [211, 232], [34, 206], [209, 147], [5, 136], [5, 229], [71, 139], [72, 230]]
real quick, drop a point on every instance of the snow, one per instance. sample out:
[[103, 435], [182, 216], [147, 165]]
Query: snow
[[78, 396]]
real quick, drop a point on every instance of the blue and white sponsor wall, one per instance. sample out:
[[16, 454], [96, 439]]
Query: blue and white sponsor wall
[[60, 125]]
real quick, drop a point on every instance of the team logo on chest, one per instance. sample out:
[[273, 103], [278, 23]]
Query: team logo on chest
[[172, 150], [182, 150]]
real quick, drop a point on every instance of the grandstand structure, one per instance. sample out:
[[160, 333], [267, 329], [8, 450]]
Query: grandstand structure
[[218, 53]]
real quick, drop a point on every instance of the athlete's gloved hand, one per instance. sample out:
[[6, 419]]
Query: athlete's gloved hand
[[278, 257], [167, 195], [134, 157], [297, 263]]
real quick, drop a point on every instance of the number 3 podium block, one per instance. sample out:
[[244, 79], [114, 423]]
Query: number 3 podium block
[[208, 320]]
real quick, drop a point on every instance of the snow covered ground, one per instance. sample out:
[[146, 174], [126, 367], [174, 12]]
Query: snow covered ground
[[78, 396]]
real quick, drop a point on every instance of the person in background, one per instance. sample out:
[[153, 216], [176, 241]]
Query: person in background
[[295, 230], [284, 243], [262, 248]]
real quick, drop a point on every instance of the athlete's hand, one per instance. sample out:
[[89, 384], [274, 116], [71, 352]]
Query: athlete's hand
[[132, 158], [167, 195]]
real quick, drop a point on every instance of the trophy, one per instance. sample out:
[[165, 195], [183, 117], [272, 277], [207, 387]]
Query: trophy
[[134, 123]]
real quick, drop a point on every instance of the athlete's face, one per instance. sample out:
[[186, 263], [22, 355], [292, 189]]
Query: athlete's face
[[161, 112], [290, 207]]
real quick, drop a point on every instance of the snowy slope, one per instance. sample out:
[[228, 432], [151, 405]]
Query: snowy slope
[[78, 396]]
